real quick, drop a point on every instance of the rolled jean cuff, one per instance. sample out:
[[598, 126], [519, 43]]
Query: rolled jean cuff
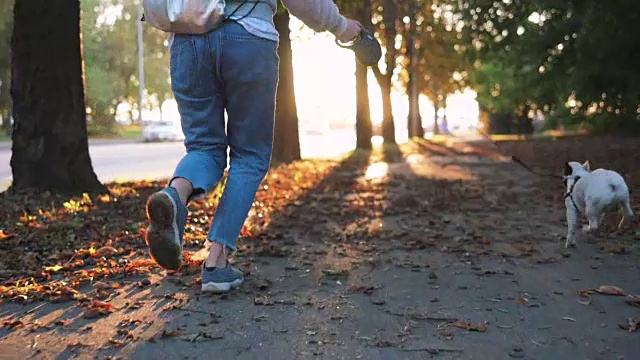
[[230, 246]]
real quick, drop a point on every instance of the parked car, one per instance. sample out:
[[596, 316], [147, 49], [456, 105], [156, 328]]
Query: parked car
[[162, 131]]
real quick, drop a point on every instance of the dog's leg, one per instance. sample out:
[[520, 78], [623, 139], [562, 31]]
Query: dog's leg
[[572, 226], [627, 213], [593, 213]]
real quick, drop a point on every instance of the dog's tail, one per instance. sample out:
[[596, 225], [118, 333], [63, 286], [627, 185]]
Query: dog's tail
[[626, 208], [627, 214]]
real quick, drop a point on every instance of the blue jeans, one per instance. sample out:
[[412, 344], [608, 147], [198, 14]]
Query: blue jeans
[[233, 70]]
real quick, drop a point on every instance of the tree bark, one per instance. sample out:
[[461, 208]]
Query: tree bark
[[413, 121], [445, 123], [389, 15], [364, 126], [420, 133], [388, 126], [50, 143], [286, 143], [436, 128]]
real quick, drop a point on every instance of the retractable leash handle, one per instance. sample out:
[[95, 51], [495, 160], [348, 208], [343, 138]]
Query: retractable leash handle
[[366, 47]]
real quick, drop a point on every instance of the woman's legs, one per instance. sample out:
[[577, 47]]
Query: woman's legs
[[248, 66], [201, 105]]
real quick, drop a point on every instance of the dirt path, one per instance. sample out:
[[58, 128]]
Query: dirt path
[[432, 251]]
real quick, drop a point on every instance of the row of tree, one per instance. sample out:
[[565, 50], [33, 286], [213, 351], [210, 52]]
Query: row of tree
[[419, 38], [574, 59]]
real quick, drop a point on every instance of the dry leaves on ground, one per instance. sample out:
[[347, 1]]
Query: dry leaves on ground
[[53, 246]]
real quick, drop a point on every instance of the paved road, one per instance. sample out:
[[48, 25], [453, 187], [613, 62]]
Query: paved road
[[115, 160], [133, 160]]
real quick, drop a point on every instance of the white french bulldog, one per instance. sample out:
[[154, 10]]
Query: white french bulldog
[[590, 193]]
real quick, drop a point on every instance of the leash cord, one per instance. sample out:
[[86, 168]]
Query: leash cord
[[516, 159]]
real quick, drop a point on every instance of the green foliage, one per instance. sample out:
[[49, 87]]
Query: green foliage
[[109, 31], [556, 49]]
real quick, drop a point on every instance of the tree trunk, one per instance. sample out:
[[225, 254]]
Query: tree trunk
[[364, 126], [388, 126], [411, 118], [286, 142], [389, 15], [50, 145], [445, 123], [420, 133], [436, 128], [413, 122]]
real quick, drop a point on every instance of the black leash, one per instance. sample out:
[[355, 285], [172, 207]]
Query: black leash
[[517, 160]]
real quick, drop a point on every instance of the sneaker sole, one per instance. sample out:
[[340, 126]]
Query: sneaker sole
[[221, 287], [163, 237]]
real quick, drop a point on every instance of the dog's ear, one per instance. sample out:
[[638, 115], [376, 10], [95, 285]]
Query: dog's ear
[[586, 165], [567, 169]]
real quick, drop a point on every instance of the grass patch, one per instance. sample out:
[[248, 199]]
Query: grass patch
[[130, 132]]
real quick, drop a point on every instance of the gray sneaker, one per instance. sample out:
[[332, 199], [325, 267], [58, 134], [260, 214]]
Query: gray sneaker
[[167, 217], [220, 280]]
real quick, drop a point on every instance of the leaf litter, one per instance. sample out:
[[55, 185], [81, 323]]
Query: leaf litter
[[81, 245], [55, 245]]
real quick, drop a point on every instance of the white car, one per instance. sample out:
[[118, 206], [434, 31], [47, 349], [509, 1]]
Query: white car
[[162, 131]]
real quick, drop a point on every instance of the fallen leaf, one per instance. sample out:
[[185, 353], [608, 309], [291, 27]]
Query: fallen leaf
[[610, 290], [585, 302], [13, 324], [262, 300], [5, 236], [633, 300], [586, 292], [116, 342], [102, 305], [106, 251], [480, 327], [54, 268], [568, 318], [93, 313], [260, 317], [101, 285], [263, 284], [332, 273], [522, 300], [286, 302], [201, 337], [367, 290], [547, 260], [630, 326], [170, 333]]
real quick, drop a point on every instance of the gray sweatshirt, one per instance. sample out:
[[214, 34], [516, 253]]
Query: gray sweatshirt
[[319, 15]]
